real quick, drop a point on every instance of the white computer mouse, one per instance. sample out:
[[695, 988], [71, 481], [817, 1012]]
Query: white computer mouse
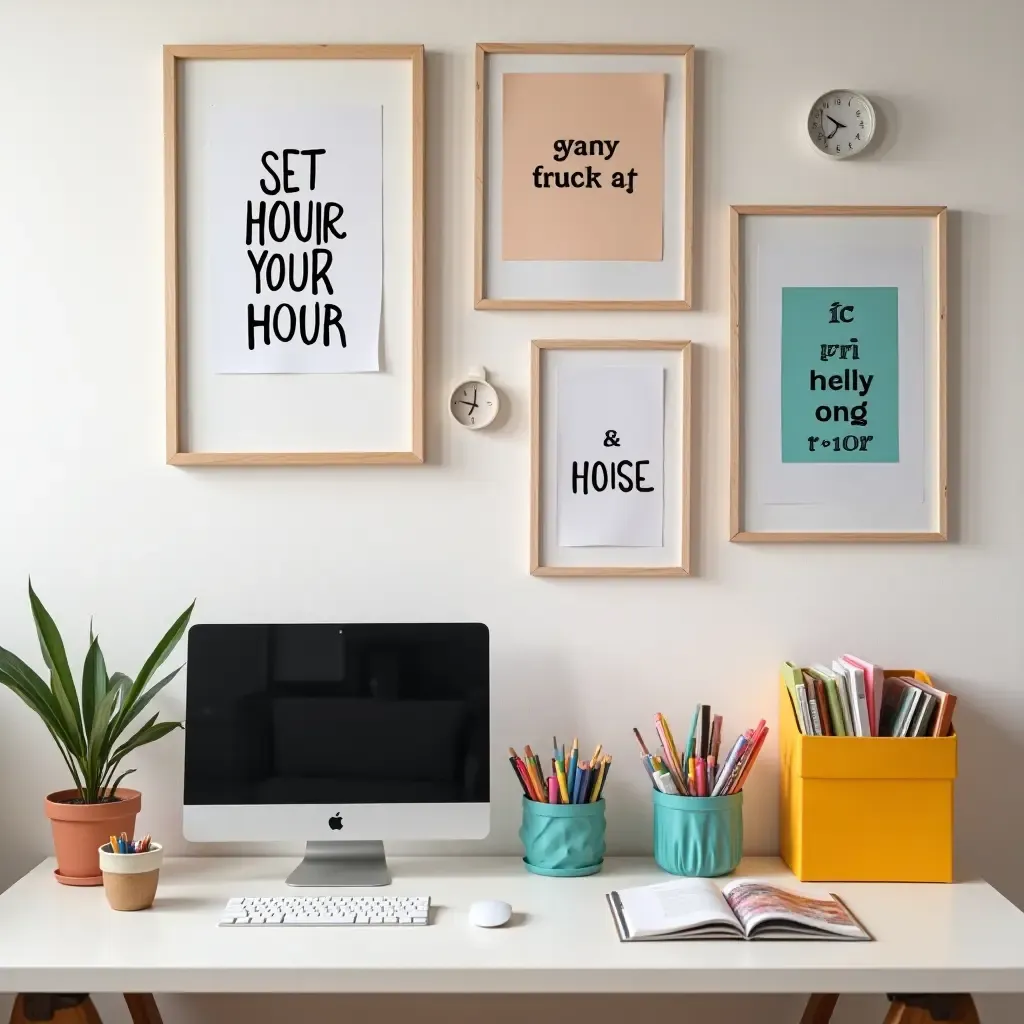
[[489, 913]]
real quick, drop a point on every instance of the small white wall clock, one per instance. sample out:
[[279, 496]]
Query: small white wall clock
[[474, 401], [841, 123]]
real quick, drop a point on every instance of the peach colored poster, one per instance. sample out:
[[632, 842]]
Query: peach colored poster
[[582, 166]]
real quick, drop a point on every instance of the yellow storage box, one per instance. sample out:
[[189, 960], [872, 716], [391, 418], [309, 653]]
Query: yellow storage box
[[866, 809]]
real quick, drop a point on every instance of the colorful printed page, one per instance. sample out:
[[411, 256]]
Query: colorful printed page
[[769, 912]]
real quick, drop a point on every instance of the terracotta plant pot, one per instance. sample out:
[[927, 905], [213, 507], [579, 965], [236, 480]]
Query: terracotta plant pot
[[79, 830]]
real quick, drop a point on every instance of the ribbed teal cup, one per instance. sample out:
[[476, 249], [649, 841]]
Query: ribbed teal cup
[[699, 836], [563, 840]]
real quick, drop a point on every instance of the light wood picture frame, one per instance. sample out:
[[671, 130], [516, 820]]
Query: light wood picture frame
[[673, 558], [586, 284], [903, 495], [392, 75]]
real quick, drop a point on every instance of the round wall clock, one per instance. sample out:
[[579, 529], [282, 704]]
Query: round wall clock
[[474, 402], [841, 123]]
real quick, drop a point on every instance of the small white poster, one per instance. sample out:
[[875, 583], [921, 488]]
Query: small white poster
[[610, 456], [295, 259]]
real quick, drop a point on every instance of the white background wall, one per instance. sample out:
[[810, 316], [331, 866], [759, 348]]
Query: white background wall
[[88, 506]]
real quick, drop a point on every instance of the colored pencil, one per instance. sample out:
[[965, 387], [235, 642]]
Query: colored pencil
[[700, 769], [533, 767], [673, 749], [692, 738], [725, 779], [606, 768], [743, 769], [562, 787], [574, 757], [514, 761], [640, 740], [577, 781]]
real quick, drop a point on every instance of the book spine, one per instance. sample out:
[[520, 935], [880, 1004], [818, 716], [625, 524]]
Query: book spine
[[826, 721], [860, 694], [834, 707], [805, 710], [815, 715], [844, 704]]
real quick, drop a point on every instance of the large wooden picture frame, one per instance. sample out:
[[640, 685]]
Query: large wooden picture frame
[[586, 285], [777, 495], [673, 558], [393, 76]]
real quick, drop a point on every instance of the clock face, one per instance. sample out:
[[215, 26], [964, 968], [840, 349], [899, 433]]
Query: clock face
[[841, 123], [474, 404]]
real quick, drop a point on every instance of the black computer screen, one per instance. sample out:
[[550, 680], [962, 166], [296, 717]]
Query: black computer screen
[[347, 714]]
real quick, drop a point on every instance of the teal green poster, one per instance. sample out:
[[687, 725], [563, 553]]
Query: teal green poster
[[840, 375]]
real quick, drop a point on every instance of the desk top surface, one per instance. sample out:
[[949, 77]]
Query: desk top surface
[[930, 938]]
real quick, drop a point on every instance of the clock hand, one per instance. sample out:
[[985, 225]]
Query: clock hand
[[837, 126]]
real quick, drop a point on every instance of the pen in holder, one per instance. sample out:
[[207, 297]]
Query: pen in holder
[[698, 836], [563, 840]]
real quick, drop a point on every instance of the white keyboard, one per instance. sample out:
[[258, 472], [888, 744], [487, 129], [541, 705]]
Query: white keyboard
[[343, 911]]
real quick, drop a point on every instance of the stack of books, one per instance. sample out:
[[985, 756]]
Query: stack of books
[[857, 698]]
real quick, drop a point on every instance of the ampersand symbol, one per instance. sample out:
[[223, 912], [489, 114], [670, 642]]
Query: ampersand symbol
[[611, 439]]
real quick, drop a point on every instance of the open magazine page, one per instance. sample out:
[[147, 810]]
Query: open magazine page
[[761, 907], [678, 906]]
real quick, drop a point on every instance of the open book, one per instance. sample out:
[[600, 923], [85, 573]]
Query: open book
[[744, 908]]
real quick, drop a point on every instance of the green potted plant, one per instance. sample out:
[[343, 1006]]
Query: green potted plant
[[94, 729]]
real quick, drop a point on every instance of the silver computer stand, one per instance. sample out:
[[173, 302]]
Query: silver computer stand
[[342, 863]]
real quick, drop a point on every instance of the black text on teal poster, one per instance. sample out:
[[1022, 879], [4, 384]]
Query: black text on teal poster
[[840, 375]]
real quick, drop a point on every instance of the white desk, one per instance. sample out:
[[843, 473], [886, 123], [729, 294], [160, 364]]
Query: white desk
[[930, 938]]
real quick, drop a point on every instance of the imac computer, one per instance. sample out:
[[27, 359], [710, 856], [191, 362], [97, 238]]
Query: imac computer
[[342, 735]]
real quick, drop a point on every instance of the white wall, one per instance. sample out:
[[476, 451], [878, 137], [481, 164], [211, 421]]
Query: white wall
[[87, 505]]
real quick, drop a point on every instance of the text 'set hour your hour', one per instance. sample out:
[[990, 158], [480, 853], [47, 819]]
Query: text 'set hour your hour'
[[282, 220]]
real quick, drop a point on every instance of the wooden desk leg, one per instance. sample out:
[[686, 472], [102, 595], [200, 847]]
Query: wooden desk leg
[[83, 1011], [954, 1009], [142, 1007], [819, 1009]]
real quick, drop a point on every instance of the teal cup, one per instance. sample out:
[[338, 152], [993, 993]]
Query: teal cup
[[563, 840], [699, 836]]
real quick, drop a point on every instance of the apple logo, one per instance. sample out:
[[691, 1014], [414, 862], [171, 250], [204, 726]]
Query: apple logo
[[334, 822]]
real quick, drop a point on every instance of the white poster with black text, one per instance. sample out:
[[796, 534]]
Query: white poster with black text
[[295, 256], [610, 456]]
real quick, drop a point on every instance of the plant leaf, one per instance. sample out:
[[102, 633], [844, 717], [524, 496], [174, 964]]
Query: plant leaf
[[101, 726], [52, 646], [119, 681], [149, 733], [160, 654], [76, 743], [112, 788], [53, 725], [22, 680], [130, 713], [94, 683], [102, 737]]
